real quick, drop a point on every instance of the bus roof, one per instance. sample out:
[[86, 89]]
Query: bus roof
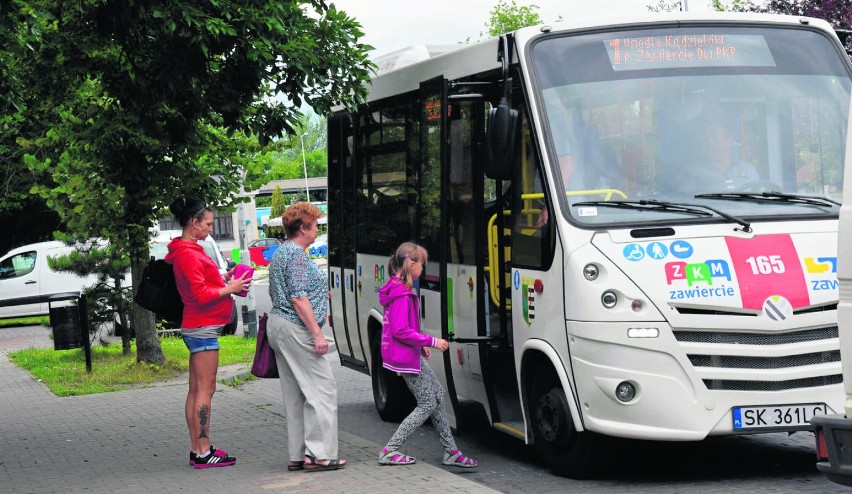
[[403, 70]]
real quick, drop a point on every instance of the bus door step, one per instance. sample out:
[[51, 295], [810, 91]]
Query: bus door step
[[513, 428]]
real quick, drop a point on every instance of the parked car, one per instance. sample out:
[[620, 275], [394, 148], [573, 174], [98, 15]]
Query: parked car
[[25, 274], [159, 249], [262, 249], [264, 242]]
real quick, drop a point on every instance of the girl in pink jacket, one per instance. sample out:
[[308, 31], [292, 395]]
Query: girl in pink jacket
[[405, 351]]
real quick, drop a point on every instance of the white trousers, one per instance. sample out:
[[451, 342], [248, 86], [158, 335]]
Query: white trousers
[[309, 389]]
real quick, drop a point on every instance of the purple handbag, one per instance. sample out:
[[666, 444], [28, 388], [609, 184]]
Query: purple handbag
[[264, 358]]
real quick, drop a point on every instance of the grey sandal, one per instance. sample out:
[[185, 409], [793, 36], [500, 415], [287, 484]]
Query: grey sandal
[[395, 458]]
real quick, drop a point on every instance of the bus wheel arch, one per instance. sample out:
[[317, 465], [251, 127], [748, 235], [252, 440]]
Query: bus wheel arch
[[567, 451], [391, 396]]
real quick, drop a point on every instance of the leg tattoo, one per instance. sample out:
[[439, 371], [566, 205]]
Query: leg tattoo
[[203, 412]]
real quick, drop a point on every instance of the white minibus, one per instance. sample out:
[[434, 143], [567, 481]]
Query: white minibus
[[631, 225]]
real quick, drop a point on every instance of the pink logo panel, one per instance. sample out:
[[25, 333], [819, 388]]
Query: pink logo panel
[[768, 265]]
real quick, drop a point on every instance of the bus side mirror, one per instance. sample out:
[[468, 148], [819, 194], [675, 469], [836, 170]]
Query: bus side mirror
[[500, 141]]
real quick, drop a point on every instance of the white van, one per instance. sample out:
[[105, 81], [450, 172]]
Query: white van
[[26, 275]]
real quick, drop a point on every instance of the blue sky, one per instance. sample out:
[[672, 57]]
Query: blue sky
[[393, 24]]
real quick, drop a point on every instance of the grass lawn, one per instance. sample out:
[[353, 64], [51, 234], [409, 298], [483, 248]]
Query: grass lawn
[[64, 371], [25, 321]]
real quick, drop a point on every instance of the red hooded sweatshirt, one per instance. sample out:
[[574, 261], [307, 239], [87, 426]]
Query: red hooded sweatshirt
[[198, 282]]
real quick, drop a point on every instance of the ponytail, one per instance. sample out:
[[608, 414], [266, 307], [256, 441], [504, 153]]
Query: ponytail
[[401, 261]]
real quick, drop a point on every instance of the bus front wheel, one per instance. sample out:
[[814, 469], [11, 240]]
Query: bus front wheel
[[566, 451], [392, 398]]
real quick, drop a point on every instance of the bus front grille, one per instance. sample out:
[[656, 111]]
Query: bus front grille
[[732, 362], [719, 362], [736, 338], [810, 382]]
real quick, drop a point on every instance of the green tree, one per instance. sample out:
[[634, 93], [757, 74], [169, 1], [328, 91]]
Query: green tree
[[508, 16], [109, 297], [25, 218], [731, 5], [276, 211], [147, 96]]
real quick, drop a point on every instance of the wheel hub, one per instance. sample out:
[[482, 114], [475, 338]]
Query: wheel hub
[[551, 416]]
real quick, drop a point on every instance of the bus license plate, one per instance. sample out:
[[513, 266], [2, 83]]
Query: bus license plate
[[776, 416]]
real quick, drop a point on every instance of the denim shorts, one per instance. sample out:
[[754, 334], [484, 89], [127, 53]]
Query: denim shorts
[[196, 345]]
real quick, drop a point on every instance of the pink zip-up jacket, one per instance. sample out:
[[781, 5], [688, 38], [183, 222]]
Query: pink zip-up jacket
[[402, 340]]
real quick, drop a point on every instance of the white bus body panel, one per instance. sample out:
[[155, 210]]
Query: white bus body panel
[[844, 278], [673, 401]]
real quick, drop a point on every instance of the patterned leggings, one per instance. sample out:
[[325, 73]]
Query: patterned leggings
[[430, 402]]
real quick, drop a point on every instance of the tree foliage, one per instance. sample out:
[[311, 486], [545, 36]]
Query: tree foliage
[[26, 218], [507, 16], [109, 297], [276, 211], [838, 13], [141, 100]]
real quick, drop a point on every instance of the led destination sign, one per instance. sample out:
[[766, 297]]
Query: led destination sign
[[688, 50]]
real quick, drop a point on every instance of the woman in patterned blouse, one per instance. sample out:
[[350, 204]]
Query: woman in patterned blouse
[[299, 292]]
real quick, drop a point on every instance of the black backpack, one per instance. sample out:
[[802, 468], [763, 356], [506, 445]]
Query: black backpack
[[158, 291]]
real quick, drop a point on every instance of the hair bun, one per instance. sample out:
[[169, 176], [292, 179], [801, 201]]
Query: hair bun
[[178, 205]]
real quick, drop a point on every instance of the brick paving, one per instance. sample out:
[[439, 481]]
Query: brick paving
[[135, 441]]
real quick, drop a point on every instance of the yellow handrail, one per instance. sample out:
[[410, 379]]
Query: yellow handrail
[[493, 268], [607, 193]]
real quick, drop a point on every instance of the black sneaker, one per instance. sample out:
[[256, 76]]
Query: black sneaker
[[216, 458], [192, 456]]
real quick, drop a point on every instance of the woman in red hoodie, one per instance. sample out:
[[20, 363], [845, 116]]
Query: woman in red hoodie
[[405, 351], [207, 309]]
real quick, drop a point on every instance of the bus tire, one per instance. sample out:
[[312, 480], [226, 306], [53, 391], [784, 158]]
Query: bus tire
[[567, 452], [392, 398]]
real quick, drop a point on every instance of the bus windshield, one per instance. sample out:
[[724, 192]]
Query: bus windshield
[[718, 116]]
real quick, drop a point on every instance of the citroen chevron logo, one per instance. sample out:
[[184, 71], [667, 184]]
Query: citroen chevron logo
[[777, 308]]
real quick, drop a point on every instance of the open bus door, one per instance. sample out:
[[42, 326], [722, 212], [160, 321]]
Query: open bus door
[[478, 274], [431, 223], [341, 244]]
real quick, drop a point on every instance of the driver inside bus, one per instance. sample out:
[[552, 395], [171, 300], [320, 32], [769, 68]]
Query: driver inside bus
[[719, 170]]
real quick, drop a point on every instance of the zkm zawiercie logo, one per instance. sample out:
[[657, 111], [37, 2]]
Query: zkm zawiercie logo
[[822, 266], [699, 278]]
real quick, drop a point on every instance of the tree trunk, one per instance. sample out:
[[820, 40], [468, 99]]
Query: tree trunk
[[121, 310], [148, 348], [124, 322]]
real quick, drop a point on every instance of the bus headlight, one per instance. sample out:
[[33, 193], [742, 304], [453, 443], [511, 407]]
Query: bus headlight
[[609, 299], [591, 272]]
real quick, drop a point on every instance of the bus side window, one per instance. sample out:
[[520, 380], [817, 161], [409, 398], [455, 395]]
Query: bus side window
[[532, 230]]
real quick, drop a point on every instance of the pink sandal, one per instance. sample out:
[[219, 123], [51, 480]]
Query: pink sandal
[[387, 457], [457, 459]]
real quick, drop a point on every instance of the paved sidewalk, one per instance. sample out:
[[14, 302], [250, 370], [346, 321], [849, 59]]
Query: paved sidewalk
[[135, 441]]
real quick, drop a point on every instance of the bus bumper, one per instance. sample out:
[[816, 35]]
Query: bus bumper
[[672, 402]]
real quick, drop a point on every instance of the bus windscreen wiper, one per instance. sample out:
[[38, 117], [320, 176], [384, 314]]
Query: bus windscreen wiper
[[778, 197], [653, 205]]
